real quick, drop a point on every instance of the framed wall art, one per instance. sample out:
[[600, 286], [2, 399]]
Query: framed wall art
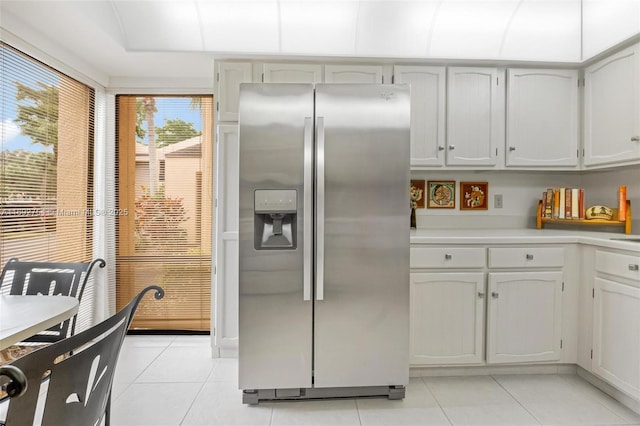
[[474, 195], [441, 194]]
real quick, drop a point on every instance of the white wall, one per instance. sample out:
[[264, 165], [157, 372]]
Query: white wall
[[521, 191], [602, 188]]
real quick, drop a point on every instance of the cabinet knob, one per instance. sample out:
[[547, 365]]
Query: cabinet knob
[[440, 148], [635, 138], [452, 147], [529, 257], [448, 256], [633, 267], [480, 294], [512, 148], [495, 294]]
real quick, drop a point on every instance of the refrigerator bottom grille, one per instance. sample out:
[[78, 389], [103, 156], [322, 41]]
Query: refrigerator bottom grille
[[254, 396]]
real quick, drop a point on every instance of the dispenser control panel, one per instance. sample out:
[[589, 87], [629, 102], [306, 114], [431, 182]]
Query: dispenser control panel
[[275, 201]]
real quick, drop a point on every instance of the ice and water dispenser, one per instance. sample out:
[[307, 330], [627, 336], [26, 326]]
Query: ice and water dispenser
[[275, 219]]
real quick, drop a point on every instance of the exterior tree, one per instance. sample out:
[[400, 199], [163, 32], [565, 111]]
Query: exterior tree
[[147, 108], [175, 131], [38, 114]]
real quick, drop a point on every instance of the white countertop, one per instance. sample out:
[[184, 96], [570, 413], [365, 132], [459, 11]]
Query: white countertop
[[521, 236]]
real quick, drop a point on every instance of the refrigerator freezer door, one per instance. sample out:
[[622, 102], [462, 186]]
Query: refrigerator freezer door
[[362, 321], [275, 320]]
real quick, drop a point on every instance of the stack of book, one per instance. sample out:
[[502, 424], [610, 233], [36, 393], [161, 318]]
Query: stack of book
[[563, 203]]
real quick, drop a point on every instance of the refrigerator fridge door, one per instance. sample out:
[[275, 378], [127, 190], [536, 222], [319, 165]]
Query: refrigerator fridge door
[[361, 326], [276, 183]]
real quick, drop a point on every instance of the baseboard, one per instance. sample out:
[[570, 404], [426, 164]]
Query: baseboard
[[614, 393], [487, 370]]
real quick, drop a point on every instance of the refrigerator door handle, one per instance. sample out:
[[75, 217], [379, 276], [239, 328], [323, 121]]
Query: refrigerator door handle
[[320, 209], [307, 251]]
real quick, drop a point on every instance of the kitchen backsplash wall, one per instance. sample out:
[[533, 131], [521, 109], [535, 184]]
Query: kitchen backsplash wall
[[520, 194], [603, 186]]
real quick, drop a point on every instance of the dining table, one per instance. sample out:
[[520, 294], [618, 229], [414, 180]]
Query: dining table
[[23, 316]]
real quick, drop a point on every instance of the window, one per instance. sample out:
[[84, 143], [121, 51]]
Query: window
[[46, 163], [165, 157]]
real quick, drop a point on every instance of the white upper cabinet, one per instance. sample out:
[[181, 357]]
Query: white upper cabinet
[[542, 118], [475, 114], [292, 73], [230, 75], [611, 109], [427, 112], [353, 74]]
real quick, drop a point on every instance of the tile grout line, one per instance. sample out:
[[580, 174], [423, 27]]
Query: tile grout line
[[437, 401], [517, 400], [186, 413]]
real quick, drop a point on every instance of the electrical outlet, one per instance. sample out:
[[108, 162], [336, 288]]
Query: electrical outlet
[[497, 201]]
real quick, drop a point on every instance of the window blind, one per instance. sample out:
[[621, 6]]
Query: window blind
[[46, 165], [164, 191]]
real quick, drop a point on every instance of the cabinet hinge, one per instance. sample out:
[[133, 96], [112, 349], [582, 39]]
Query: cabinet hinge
[[577, 153], [593, 293], [263, 77], [383, 79], [560, 343], [591, 353], [562, 285], [393, 79], [583, 152], [217, 105], [218, 77], [497, 81], [496, 152]]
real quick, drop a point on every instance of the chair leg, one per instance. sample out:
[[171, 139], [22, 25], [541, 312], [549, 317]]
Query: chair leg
[[107, 413]]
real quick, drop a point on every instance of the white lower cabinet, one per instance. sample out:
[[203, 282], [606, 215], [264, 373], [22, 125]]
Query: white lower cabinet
[[486, 305], [616, 320], [524, 316], [447, 318], [616, 334]]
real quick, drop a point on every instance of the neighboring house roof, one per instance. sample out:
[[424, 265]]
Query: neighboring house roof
[[186, 148]]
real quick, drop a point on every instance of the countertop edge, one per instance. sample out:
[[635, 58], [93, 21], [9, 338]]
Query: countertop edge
[[521, 236]]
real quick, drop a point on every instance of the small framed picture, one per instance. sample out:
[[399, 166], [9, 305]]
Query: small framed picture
[[474, 195], [441, 194], [416, 193]]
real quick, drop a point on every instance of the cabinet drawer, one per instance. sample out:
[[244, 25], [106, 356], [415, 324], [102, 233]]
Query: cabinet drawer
[[526, 257], [620, 265], [443, 257]]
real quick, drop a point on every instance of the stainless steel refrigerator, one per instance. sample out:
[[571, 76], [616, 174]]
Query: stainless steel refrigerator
[[323, 240]]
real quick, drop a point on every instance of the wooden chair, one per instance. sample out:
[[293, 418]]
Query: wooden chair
[[80, 372], [48, 278]]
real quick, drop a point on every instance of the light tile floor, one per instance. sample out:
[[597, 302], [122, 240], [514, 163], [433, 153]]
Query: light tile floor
[[172, 380]]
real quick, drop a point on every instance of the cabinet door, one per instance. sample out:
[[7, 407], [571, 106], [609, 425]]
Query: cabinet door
[[475, 114], [427, 112], [542, 118], [353, 74], [230, 75], [616, 335], [447, 312], [292, 73], [611, 102], [524, 317], [226, 251]]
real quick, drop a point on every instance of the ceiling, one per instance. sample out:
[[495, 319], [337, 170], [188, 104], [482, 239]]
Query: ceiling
[[163, 38]]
